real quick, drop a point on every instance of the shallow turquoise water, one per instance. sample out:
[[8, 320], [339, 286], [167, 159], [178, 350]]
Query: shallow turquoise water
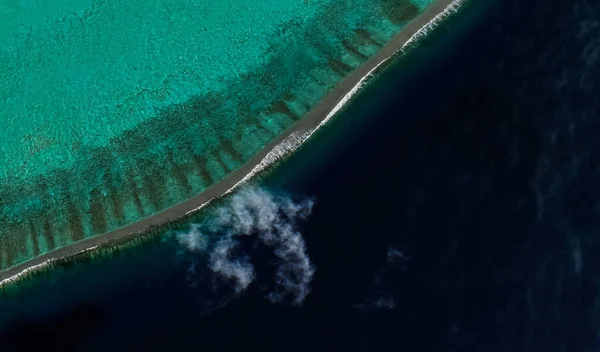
[[484, 273], [114, 111]]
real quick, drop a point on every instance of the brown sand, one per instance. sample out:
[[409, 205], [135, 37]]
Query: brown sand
[[307, 124]]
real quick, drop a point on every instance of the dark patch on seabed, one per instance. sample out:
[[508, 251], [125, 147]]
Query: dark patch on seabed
[[457, 210]]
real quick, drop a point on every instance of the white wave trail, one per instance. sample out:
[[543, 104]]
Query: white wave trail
[[193, 239], [240, 270], [269, 219]]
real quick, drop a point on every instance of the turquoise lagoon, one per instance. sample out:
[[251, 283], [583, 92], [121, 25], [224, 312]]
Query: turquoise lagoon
[[113, 111]]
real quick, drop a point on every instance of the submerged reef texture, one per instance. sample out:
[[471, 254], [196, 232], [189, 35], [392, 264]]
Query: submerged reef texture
[[115, 111]]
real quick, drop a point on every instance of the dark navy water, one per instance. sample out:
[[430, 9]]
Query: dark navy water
[[456, 209]]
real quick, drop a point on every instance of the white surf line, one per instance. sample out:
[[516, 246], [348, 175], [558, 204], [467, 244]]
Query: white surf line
[[294, 140], [25, 271], [36, 267], [429, 26]]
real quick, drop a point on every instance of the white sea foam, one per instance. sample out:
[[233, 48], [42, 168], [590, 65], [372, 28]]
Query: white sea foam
[[393, 254], [193, 239], [386, 302], [33, 268], [235, 268], [258, 214]]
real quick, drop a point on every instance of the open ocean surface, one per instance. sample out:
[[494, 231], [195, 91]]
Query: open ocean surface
[[453, 206]]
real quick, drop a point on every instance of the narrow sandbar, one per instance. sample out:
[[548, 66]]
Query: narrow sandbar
[[328, 106]]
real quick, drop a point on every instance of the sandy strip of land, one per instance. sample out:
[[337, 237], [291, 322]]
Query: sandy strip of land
[[315, 118]]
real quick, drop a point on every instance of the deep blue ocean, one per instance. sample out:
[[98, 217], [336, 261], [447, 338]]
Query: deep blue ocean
[[453, 206]]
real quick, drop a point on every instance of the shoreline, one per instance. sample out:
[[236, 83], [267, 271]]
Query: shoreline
[[278, 148]]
